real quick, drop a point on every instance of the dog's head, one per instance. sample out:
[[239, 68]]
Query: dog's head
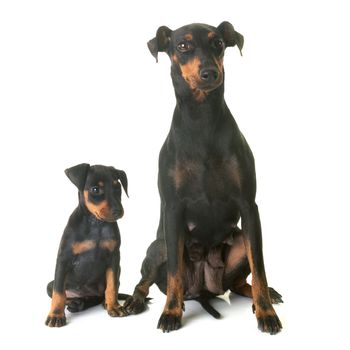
[[196, 52], [100, 189]]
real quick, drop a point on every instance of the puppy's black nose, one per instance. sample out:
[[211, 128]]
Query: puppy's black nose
[[209, 75]]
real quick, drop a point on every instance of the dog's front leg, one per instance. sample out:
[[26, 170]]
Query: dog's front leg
[[268, 320], [174, 236]]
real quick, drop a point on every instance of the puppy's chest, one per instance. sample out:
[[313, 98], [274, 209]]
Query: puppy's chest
[[96, 241]]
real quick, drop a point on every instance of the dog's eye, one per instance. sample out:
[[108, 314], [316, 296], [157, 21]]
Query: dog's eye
[[96, 190], [218, 43], [184, 46]]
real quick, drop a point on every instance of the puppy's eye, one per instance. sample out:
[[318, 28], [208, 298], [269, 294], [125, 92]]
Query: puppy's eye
[[218, 43], [184, 46], [96, 190]]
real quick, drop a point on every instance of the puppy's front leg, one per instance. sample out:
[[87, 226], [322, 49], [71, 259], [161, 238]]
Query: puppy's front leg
[[112, 305], [56, 317]]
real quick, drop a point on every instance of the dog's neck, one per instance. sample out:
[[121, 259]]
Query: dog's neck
[[198, 121], [197, 105]]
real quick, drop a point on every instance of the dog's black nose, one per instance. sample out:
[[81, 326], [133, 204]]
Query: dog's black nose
[[209, 75]]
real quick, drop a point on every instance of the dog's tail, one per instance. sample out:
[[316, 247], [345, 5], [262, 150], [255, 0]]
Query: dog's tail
[[122, 296], [204, 301]]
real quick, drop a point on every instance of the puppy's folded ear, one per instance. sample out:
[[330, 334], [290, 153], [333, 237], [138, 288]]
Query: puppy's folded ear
[[124, 180], [161, 42], [230, 36], [77, 174], [121, 175]]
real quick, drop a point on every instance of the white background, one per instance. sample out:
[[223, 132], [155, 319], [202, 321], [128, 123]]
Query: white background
[[77, 84]]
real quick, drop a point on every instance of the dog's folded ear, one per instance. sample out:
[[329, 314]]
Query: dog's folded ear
[[161, 42], [230, 36], [77, 174]]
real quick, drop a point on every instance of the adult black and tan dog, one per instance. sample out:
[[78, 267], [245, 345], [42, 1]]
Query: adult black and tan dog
[[207, 184], [87, 267]]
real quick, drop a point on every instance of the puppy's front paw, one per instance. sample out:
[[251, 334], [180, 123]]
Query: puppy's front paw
[[117, 311], [56, 320]]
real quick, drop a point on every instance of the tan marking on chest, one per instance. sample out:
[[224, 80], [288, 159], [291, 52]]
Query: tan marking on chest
[[83, 246], [183, 172], [108, 244], [234, 171]]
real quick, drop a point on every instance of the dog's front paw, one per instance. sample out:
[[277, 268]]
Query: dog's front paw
[[269, 322], [169, 322], [134, 305], [58, 320], [117, 311]]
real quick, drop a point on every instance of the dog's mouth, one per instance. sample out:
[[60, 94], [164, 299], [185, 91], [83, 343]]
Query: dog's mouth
[[208, 87], [198, 85]]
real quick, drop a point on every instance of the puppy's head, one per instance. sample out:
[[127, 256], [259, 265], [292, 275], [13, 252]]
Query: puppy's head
[[196, 52], [100, 189]]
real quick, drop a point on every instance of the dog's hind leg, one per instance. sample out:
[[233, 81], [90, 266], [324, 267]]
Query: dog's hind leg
[[155, 258], [237, 270]]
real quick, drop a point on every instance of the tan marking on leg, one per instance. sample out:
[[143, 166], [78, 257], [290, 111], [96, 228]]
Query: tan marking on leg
[[174, 301], [113, 307], [58, 304], [242, 288], [260, 292], [236, 254], [110, 292]]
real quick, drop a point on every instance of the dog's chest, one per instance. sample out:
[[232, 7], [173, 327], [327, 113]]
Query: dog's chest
[[212, 177]]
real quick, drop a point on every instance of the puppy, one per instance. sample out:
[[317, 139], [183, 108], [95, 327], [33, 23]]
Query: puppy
[[87, 268]]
